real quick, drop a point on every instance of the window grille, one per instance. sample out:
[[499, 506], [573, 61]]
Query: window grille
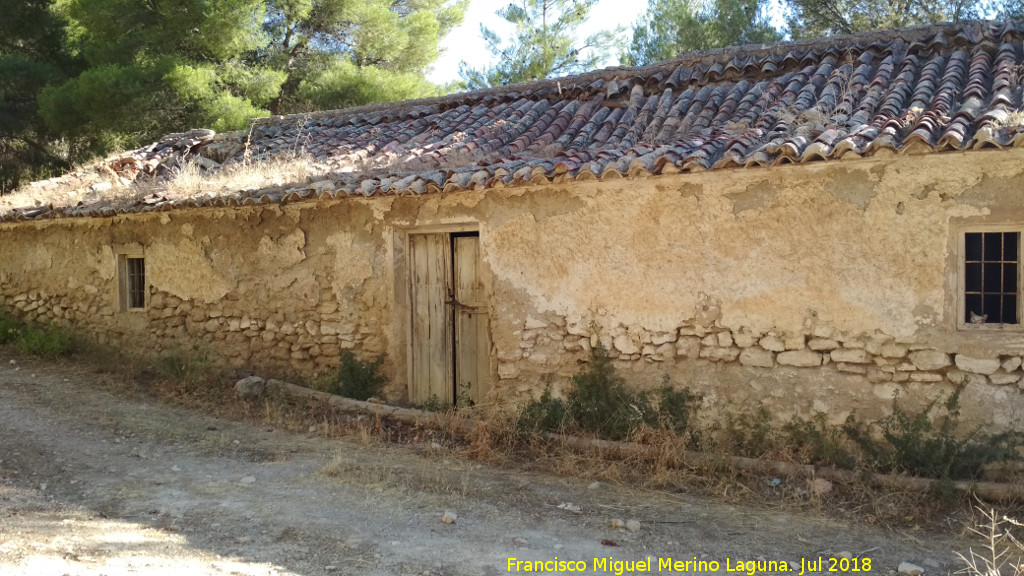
[[131, 272], [991, 277]]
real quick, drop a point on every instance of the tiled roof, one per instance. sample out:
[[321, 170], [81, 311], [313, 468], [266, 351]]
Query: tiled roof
[[928, 89]]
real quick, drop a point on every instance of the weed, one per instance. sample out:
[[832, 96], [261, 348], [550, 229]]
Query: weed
[[191, 179], [434, 404], [46, 342], [1013, 120], [749, 433], [105, 358], [816, 442], [1002, 553], [190, 368], [600, 403], [495, 436], [464, 399], [676, 408], [926, 445], [187, 181], [9, 328], [357, 379], [547, 413]]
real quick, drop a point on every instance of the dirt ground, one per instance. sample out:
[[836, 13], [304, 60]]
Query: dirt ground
[[93, 483]]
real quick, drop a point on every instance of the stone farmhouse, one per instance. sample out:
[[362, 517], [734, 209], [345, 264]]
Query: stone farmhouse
[[812, 225]]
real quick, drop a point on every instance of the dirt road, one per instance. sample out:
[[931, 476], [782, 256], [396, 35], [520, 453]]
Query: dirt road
[[97, 484]]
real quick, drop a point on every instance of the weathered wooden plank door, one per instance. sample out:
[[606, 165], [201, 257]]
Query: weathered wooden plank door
[[472, 345], [432, 370], [450, 343]]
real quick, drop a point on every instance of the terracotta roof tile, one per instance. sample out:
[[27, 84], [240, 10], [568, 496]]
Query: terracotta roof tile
[[928, 89]]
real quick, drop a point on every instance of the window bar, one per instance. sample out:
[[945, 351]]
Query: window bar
[[992, 269], [136, 283]]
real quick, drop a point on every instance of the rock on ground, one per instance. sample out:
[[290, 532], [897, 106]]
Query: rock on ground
[[250, 388]]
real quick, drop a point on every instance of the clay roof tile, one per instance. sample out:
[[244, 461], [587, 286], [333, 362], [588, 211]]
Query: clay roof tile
[[933, 88]]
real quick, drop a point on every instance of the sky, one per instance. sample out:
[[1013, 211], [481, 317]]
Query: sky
[[465, 43]]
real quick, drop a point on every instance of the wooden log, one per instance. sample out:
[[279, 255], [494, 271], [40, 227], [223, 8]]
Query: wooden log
[[990, 491], [404, 415]]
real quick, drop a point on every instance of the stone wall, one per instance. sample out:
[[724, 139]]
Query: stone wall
[[250, 287], [880, 358], [303, 343], [752, 360], [820, 287]]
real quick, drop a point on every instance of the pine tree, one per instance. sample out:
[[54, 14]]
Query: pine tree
[[815, 18], [544, 44], [339, 53], [159, 66], [674, 27], [33, 54]]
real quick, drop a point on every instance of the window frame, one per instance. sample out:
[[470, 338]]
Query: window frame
[[124, 288], [961, 289]]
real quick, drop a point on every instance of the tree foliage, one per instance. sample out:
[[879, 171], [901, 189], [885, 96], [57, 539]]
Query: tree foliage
[[674, 27], [159, 66], [33, 54], [544, 44], [815, 18], [338, 53], [156, 66], [1010, 10]]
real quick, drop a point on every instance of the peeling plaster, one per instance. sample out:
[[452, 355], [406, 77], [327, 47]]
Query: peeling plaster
[[184, 270], [351, 257]]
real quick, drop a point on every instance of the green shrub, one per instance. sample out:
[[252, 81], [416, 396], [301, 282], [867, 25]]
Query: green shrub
[[357, 379], [815, 442], [749, 433], [49, 342], [547, 413], [464, 399], [600, 403], [924, 444], [676, 408], [433, 403], [9, 328]]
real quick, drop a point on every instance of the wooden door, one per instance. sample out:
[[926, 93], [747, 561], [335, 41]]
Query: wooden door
[[432, 339], [472, 346], [450, 345]]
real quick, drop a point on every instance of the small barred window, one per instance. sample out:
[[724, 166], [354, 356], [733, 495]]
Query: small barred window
[[132, 276], [991, 277]]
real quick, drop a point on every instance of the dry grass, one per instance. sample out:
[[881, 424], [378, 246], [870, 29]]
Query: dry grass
[[1001, 553], [1013, 120], [192, 180], [61, 194], [663, 466], [398, 476], [98, 186]]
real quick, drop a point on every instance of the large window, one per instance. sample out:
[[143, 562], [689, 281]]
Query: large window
[[991, 279]]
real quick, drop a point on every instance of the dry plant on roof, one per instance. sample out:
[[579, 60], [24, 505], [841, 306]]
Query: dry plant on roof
[[188, 180], [811, 122], [191, 179]]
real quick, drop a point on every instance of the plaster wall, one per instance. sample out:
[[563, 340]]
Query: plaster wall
[[282, 289], [816, 287]]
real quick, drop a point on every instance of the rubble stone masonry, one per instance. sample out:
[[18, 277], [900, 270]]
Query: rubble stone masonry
[[822, 287]]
